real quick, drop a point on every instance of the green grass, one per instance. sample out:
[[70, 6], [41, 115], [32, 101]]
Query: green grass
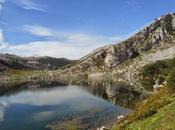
[[20, 74], [164, 119], [158, 111], [155, 113], [15, 77]]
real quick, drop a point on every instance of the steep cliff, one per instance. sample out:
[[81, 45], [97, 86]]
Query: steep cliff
[[157, 35]]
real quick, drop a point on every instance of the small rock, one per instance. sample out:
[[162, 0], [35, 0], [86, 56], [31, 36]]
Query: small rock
[[103, 128], [120, 117]]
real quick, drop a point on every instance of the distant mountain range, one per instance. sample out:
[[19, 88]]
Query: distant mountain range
[[9, 61]]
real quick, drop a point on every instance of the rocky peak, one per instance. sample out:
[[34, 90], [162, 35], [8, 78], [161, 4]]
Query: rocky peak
[[160, 32]]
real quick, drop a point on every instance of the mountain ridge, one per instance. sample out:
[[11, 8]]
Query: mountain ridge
[[11, 61], [157, 34]]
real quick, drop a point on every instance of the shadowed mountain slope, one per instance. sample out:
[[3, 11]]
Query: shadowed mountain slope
[[8, 61]]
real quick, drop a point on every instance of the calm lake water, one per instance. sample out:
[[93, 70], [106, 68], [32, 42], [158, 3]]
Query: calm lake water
[[35, 108]]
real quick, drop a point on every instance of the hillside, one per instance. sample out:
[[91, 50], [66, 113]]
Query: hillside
[[123, 61], [8, 61], [161, 33], [156, 112], [145, 61]]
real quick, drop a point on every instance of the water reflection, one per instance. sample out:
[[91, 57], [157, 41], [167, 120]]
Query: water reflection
[[2, 110], [16, 87], [34, 108], [118, 93]]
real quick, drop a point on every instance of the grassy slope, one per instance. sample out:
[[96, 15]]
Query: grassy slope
[[164, 119], [12, 78], [21, 74], [158, 111]]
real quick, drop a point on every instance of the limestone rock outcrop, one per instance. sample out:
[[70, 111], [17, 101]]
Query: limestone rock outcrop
[[160, 32]]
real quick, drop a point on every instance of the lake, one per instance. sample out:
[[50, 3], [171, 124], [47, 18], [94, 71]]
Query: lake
[[56, 107]]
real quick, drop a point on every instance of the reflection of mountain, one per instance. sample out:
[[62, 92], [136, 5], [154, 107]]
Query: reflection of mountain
[[8, 89], [3, 105], [1, 112], [62, 103], [120, 93]]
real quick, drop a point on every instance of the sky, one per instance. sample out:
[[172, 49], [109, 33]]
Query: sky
[[72, 28]]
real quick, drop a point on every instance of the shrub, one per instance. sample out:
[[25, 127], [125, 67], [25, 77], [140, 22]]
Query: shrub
[[171, 78], [161, 79], [150, 113], [160, 70]]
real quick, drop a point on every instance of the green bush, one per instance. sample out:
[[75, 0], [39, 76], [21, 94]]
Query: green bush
[[171, 78], [160, 70], [161, 79], [150, 113]]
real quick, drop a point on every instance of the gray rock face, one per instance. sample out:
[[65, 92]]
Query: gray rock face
[[159, 35], [160, 32], [173, 22], [111, 58]]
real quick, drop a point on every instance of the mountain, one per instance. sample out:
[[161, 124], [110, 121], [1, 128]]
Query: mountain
[[8, 61], [146, 61], [120, 61], [158, 35]]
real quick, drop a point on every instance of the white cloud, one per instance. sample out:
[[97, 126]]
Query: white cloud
[[39, 30], [133, 3], [59, 44], [1, 4], [3, 44], [51, 97], [28, 5], [53, 48], [2, 1], [50, 33]]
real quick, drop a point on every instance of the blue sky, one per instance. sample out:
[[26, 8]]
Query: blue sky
[[72, 28]]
